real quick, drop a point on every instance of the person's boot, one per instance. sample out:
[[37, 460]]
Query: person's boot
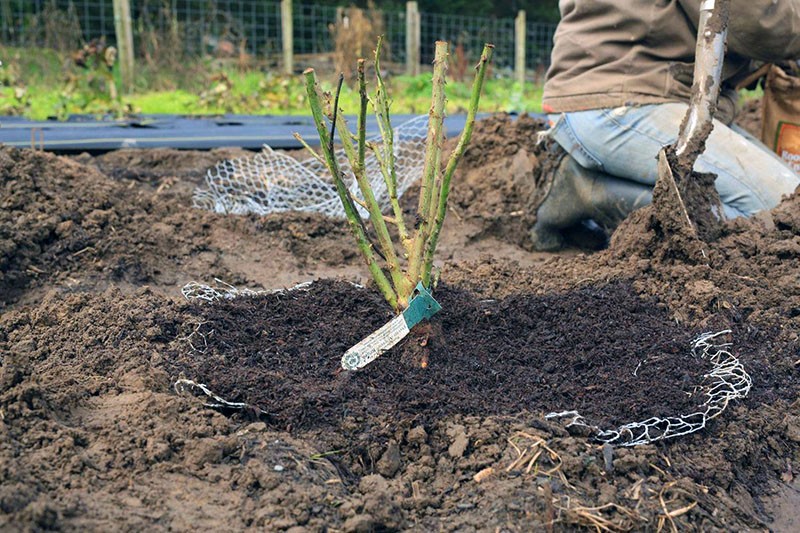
[[577, 194]]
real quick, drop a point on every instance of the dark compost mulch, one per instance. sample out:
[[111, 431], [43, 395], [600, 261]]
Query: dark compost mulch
[[605, 351]]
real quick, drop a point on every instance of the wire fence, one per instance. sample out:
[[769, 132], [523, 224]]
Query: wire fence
[[201, 28], [469, 32]]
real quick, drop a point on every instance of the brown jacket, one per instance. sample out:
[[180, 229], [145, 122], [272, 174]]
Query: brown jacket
[[610, 53]]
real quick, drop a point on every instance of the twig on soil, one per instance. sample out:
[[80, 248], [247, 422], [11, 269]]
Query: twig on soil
[[83, 250], [317, 456], [591, 516], [456, 213], [634, 492], [657, 469], [536, 448], [483, 474], [550, 514], [416, 493], [669, 515]]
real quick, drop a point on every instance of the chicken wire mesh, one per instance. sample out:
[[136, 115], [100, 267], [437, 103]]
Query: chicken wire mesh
[[200, 292], [194, 291], [273, 182], [726, 381], [187, 386]]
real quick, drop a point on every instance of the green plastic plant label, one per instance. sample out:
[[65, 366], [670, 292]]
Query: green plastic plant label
[[420, 308]]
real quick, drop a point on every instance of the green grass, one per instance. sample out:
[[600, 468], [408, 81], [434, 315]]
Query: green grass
[[205, 88], [287, 98], [177, 101]]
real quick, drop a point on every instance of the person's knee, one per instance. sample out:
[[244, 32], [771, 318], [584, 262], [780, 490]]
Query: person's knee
[[764, 190], [749, 179]]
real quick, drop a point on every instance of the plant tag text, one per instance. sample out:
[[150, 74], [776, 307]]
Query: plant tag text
[[421, 307], [376, 344]]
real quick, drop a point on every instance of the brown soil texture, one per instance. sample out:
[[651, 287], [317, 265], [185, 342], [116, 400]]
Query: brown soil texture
[[155, 164], [497, 180], [126, 219], [501, 181], [686, 208], [93, 335], [70, 225]]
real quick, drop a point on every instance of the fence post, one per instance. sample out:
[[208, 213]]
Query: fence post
[[287, 36], [124, 33], [520, 36], [412, 38], [8, 22]]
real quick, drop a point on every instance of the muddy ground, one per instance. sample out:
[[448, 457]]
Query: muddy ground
[[94, 334]]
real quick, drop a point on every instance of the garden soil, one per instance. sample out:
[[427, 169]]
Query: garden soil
[[94, 333]]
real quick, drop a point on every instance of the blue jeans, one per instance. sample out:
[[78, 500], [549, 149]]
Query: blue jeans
[[624, 142]]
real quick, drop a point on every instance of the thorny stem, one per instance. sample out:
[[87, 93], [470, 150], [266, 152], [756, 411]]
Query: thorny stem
[[335, 112], [434, 188], [437, 175], [353, 218], [401, 283], [362, 115], [334, 121], [433, 161], [313, 152], [452, 163], [386, 161]]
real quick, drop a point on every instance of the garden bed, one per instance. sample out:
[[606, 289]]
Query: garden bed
[[94, 334]]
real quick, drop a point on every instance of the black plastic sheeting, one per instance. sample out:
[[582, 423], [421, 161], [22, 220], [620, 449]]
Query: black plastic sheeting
[[81, 133]]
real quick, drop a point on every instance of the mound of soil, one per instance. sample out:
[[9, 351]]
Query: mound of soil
[[124, 219], [67, 224], [498, 179], [748, 275], [93, 437], [155, 164]]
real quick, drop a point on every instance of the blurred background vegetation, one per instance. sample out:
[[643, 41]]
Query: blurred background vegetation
[[538, 9], [223, 56]]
